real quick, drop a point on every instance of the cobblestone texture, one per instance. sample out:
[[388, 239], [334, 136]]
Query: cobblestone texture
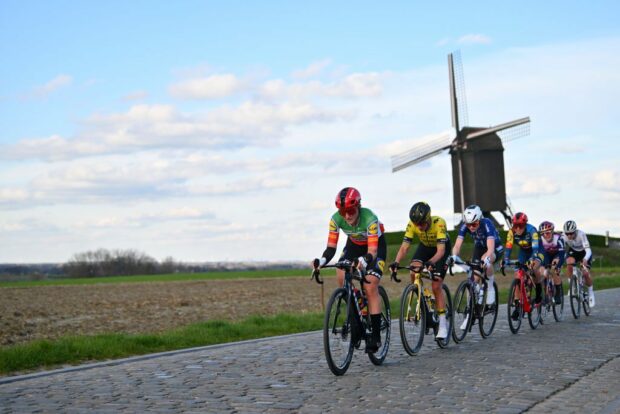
[[573, 366]]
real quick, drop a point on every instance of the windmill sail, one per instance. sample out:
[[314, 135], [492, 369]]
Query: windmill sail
[[422, 152]]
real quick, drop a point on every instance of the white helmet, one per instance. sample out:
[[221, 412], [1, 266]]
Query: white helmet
[[472, 214], [570, 226]]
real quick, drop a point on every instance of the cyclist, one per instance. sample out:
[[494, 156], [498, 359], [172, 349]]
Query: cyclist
[[579, 251], [526, 237], [487, 247], [552, 250], [366, 244], [433, 251]]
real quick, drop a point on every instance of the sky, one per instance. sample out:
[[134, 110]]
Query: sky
[[223, 130]]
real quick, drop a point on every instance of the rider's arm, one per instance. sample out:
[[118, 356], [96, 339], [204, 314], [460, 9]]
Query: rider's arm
[[441, 250], [332, 243], [490, 248], [586, 246], [561, 253], [457, 246], [402, 252], [509, 241]]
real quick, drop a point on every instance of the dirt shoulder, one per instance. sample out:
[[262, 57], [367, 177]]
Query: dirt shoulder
[[49, 312]]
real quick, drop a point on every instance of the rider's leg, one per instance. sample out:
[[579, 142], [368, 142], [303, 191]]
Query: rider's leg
[[491, 280], [374, 307], [587, 276], [340, 276]]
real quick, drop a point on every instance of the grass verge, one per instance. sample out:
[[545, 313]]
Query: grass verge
[[45, 354]]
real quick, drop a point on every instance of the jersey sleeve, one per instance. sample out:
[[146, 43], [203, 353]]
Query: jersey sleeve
[[372, 233], [462, 232], [409, 233], [442, 231], [334, 230], [489, 229]]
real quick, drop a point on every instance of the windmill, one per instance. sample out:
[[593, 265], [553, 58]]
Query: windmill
[[477, 153]]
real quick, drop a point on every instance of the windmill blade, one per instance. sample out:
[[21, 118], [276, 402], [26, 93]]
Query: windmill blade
[[459, 89], [422, 152], [515, 132], [501, 127]]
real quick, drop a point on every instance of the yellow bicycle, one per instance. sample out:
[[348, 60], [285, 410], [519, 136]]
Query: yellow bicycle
[[418, 314]]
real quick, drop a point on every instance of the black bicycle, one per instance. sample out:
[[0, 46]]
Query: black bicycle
[[549, 304], [470, 303], [347, 320]]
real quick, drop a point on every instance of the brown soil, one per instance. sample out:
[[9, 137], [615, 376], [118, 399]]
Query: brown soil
[[50, 312]]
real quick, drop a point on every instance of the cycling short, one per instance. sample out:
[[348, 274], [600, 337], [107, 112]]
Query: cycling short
[[548, 258], [352, 251], [480, 250], [424, 253], [579, 256]]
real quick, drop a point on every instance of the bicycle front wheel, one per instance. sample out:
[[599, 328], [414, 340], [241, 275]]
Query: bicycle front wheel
[[489, 314], [575, 297], [558, 308], [515, 310], [412, 321], [337, 333], [386, 329], [585, 303], [463, 311]]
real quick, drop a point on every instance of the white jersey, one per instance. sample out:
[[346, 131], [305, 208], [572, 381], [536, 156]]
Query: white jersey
[[579, 243]]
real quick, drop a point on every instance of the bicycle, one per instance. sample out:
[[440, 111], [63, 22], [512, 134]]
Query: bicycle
[[417, 310], [470, 303], [347, 309], [578, 293], [524, 284], [549, 304]]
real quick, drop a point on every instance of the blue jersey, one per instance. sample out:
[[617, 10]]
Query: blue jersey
[[528, 242], [486, 230]]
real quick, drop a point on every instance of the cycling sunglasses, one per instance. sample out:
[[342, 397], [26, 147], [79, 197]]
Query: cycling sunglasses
[[570, 234], [347, 211], [472, 225]]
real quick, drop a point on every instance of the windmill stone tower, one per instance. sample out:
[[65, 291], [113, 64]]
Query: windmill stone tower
[[477, 153]]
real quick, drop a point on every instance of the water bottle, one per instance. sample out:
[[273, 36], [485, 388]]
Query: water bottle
[[363, 305]]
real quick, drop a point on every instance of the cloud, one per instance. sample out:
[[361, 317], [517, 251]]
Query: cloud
[[147, 127], [136, 96], [474, 39], [211, 87], [314, 69], [356, 85], [607, 180], [53, 85], [534, 187]]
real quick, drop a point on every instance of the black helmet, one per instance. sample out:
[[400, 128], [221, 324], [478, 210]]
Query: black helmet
[[420, 213]]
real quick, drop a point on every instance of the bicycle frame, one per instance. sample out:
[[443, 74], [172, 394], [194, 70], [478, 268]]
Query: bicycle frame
[[523, 274]]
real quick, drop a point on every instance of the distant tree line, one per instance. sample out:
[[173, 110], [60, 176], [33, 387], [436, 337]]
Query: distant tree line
[[105, 262]]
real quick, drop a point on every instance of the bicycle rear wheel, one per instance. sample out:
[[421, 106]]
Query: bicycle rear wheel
[[463, 311], [534, 315], [412, 323], [386, 329], [337, 333], [489, 314], [575, 297], [514, 323], [449, 317], [558, 308]]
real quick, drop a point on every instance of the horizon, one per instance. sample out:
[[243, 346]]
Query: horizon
[[214, 132]]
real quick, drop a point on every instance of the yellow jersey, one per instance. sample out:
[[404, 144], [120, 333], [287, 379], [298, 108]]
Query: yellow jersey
[[436, 234]]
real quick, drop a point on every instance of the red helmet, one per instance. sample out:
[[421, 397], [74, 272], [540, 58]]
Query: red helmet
[[546, 226], [347, 198], [519, 220]]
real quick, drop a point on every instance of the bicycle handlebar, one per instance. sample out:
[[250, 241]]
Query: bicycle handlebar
[[346, 265], [423, 271]]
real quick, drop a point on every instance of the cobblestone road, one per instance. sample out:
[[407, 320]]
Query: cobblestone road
[[573, 366]]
